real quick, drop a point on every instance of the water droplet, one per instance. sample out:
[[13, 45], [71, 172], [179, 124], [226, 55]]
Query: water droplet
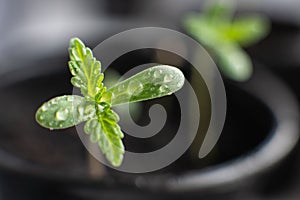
[[41, 117], [44, 108], [148, 74], [96, 71], [135, 87], [62, 114], [163, 88], [121, 87], [76, 81], [80, 110], [51, 129], [157, 73], [179, 84], [168, 78], [89, 109], [70, 99], [152, 88], [53, 102], [60, 125], [50, 123]]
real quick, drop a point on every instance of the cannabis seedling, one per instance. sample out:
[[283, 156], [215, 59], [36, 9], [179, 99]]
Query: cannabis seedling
[[224, 36], [94, 107]]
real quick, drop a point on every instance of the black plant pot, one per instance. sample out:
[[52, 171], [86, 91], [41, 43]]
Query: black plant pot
[[260, 131], [280, 51]]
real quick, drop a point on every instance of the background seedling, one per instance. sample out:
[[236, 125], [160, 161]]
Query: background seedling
[[225, 35]]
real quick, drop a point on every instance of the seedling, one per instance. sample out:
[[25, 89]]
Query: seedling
[[94, 107], [224, 36]]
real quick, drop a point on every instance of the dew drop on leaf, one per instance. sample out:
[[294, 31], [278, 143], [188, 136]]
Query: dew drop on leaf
[[52, 103], [135, 87], [76, 82], [89, 109], [44, 108], [121, 87], [148, 74], [163, 88], [70, 99], [168, 78], [97, 71], [61, 114], [157, 73], [80, 110]]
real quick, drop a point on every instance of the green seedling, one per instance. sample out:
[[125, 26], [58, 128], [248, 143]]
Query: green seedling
[[94, 107], [224, 36]]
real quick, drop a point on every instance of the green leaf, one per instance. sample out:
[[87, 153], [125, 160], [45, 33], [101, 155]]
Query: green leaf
[[151, 83], [64, 111], [209, 26], [234, 62], [217, 12], [247, 30], [94, 108], [86, 70], [106, 132], [209, 34], [224, 37]]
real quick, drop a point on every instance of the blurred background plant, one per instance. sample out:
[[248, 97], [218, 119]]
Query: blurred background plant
[[225, 35]]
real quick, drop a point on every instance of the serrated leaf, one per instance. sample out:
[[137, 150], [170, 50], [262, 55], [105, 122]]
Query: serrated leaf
[[106, 132], [86, 70], [151, 83], [64, 111]]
